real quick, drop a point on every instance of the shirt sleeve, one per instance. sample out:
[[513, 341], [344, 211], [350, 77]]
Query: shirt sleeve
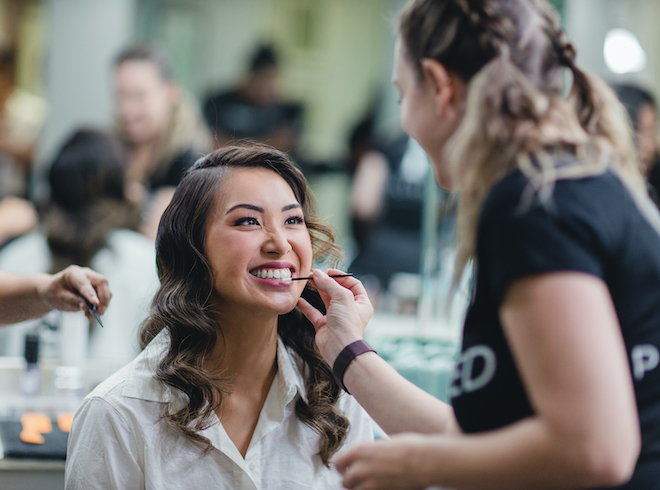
[[102, 451], [562, 233]]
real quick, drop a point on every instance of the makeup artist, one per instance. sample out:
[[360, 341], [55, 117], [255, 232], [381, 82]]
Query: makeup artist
[[230, 390], [558, 382], [30, 296]]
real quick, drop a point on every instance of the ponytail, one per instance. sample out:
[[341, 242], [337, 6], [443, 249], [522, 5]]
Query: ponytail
[[504, 122]]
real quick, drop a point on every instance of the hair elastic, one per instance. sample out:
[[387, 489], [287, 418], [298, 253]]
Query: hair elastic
[[348, 353]]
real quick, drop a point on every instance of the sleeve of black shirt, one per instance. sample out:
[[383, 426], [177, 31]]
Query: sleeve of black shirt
[[567, 232]]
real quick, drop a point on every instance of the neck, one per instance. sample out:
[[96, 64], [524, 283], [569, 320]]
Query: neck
[[141, 159], [246, 350]]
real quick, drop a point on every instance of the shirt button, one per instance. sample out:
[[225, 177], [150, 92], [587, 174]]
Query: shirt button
[[254, 465]]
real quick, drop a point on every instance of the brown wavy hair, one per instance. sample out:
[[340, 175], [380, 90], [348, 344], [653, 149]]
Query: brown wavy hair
[[181, 305], [87, 200], [513, 55]]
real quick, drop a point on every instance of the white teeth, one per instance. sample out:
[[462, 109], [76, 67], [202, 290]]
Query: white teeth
[[272, 273]]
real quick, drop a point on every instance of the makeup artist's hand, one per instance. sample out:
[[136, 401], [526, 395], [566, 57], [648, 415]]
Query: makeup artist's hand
[[63, 291], [385, 464], [348, 311]]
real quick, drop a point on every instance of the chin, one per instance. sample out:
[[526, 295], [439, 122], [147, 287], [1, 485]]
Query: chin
[[282, 308]]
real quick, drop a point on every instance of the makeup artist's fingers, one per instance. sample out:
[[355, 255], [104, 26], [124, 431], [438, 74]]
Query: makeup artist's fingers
[[356, 287], [384, 465], [63, 290], [359, 297], [102, 289], [313, 315], [348, 311]]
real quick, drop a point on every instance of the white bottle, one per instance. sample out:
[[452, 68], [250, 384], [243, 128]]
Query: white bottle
[[69, 375]]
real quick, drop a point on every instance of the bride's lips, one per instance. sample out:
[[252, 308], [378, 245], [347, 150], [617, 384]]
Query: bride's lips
[[274, 272]]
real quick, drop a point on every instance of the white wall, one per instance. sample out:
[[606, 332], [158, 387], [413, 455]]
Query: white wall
[[587, 22], [83, 39]]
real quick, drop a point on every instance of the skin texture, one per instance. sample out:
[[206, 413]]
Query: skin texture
[[251, 229], [25, 297], [566, 341]]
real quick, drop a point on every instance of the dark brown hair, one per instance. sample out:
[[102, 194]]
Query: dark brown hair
[[181, 305], [87, 200]]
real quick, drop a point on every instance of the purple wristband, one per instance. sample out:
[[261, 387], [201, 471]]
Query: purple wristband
[[348, 353]]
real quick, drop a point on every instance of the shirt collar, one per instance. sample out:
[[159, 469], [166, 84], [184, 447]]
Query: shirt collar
[[289, 372], [142, 382]]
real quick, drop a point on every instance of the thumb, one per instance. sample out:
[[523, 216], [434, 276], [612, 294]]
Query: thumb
[[311, 313]]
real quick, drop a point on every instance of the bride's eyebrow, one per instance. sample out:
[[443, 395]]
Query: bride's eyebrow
[[246, 206], [259, 209]]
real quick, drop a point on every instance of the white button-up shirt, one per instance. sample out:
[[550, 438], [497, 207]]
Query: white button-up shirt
[[119, 440]]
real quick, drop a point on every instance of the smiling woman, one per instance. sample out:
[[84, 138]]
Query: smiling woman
[[230, 390]]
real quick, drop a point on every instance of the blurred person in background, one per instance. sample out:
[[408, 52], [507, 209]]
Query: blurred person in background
[[387, 200], [643, 111], [21, 117], [30, 296], [254, 109], [161, 127], [17, 217], [90, 222]]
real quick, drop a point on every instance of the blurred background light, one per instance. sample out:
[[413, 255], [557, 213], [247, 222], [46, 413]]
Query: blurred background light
[[623, 53]]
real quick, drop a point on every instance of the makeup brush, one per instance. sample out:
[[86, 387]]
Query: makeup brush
[[312, 277], [92, 310]]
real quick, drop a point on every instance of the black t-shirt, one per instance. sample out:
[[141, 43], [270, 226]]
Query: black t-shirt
[[173, 172], [231, 113], [589, 225]]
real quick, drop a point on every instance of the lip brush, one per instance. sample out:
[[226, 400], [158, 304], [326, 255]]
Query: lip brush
[[312, 277]]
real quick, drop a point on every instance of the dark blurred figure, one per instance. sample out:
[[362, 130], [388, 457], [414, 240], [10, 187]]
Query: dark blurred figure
[[87, 199], [90, 222], [160, 125], [387, 200], [643, 111], [21, 117], [253, 109]]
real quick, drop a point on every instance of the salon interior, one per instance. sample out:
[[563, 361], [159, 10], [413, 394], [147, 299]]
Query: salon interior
[[371, 182]]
